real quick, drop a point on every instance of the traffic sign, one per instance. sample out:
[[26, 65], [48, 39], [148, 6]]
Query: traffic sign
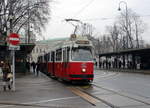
[[13, 47], [13, 39]]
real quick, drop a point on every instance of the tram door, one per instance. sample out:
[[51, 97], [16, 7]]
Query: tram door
[[53, 63], [65, 63]]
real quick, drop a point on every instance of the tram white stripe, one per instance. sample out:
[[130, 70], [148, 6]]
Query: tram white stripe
[[16, 39], [43, 101]]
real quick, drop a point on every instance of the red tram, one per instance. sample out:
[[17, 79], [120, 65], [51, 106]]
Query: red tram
[[71, 60]]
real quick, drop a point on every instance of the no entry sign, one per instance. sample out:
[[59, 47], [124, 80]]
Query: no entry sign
[[13, 39]]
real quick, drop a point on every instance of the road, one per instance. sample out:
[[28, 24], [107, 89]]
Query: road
[[138, 84], [120, 89], [108, 90]]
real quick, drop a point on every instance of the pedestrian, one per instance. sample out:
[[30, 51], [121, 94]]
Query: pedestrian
[[33, 64], [37, 68], [6, 75], [28, 66]]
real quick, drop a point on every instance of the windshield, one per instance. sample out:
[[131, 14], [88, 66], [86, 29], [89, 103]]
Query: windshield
[[82, 54]]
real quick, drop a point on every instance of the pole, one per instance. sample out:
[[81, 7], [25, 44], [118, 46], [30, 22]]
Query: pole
[[12, 51], [127, 33], [13, 68]]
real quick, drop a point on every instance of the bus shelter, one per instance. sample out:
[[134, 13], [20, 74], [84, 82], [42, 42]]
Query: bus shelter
[[20, 56], [126, 59]]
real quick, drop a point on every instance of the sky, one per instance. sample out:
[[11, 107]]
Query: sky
[[99, 13]]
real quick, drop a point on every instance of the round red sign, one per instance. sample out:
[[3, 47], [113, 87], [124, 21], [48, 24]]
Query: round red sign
[[13, 39]]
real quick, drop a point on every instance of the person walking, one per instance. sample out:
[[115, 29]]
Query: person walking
[[37, 68], [6, 72], [33, 64], [28, 66]]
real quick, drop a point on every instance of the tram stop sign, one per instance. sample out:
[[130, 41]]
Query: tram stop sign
[[13, 39]]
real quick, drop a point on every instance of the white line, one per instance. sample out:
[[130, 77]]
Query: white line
[[3, 106], [43, 101], [16, 39]]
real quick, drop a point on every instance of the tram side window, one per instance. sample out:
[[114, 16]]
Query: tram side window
[[52, 56], [68, 53], [45, 57], [64, 55], [49, 57], [59, 55]]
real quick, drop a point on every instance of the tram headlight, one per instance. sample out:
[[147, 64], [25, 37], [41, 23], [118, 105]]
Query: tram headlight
[[83, 70]]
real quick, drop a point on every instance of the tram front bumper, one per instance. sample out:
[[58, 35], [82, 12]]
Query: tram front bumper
[[82, 76]]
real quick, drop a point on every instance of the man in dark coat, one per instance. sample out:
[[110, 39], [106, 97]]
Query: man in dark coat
[[33, 64], [37, 68]]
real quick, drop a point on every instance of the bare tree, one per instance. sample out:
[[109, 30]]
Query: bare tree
[[114, 33], [131, 27], [22, 14]]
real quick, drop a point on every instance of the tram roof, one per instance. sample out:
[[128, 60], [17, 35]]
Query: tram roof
[[73, 41], [128, 51]]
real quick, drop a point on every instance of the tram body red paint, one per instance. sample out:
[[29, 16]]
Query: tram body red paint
[[71, 62]]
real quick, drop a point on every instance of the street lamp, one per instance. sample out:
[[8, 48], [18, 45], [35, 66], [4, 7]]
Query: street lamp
[[126, 17]]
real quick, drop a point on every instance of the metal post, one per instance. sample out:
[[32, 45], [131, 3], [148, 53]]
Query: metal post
[[12, 51], [127, 34], [13, 68]]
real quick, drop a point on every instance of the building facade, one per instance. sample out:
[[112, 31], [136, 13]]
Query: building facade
[[44, 46]]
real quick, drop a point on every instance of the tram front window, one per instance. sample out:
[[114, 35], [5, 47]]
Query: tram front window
[[82, 54]]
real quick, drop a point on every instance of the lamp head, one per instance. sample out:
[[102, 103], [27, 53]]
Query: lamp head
[[119, 9]]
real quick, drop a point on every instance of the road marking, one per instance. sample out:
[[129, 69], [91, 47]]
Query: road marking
[[50, 100], [85, 96], [8, 104], [3, 106]]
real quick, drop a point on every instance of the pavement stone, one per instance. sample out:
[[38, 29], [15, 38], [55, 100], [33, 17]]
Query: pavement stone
[[40, 92]]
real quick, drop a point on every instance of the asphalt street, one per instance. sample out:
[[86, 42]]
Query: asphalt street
[[108, 90]]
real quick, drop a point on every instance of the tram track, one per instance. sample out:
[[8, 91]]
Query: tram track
[[93, 100], [110, 104], [124, 95]]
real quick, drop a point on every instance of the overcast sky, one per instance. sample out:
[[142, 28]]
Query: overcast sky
[[93, 12]]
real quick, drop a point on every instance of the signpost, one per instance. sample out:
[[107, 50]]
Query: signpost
[[13, 40]]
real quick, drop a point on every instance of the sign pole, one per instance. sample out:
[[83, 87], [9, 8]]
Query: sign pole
[[13, 68], [13, 40]]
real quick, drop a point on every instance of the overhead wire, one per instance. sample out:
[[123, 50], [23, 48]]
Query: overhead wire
[[83, 8], [95, 19]]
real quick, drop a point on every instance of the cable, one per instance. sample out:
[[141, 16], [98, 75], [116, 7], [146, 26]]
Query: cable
[[95, 19], [83, 8]]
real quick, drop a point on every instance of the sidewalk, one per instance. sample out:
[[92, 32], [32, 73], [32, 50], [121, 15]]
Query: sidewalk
[[31, 92], [41, 92]]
